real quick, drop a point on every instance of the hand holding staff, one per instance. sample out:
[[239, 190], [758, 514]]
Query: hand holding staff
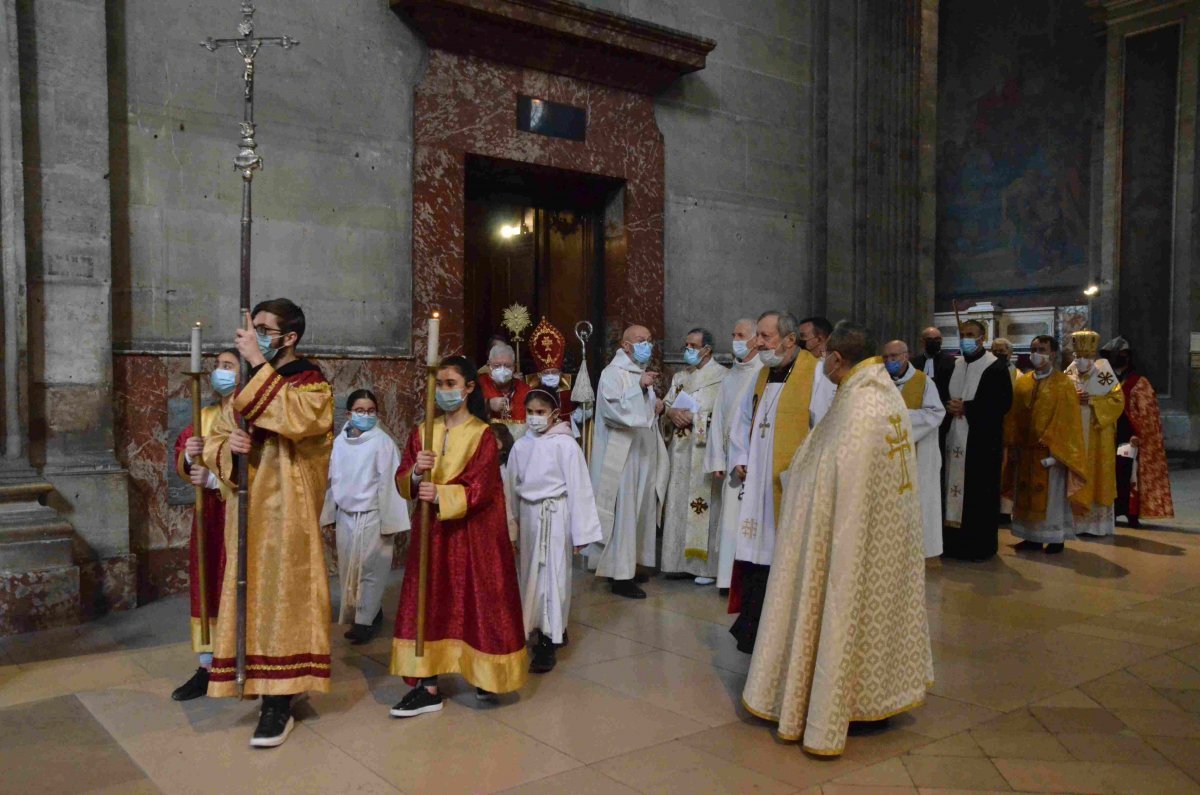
[[426, 507]]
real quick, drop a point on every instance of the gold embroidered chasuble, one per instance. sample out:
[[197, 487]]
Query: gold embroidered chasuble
[[1043, 421], [1106, 403], [290, 412], [844, 635]]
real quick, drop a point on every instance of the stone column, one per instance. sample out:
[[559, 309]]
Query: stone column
[[64, 95], [39, 581], [873, 149]]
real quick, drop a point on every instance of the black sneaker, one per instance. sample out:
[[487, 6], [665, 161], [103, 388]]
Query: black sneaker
[[195, 687], [1028, 546], [360, 634], [544, 656], [418, 701], [1054, 549], [485, 696], [628, 589], [275, 722]]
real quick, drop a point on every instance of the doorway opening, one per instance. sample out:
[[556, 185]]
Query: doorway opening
[[535, 236]]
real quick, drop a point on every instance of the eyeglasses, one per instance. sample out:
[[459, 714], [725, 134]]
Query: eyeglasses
[[365, 413], [267, 332]]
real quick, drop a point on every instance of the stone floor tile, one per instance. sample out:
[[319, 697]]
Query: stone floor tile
[[1189, 655], [697, 690], [955, 745], [589, 646], [1069, 698], [1027, 775], [1188, 700], [1123, 690], [47, 679], [677, 768], [55, 745], [1163, 723], [1140, 638], [941, 717], [588, 721], [1020, 745], [891, 773], [1078, 720], [1110, 748], [580, 781], [865, 789], [1183, 752], [954, 772], [755, 746], [1167, 671]]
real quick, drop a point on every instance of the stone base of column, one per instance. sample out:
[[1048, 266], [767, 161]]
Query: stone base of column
[[39, 580]]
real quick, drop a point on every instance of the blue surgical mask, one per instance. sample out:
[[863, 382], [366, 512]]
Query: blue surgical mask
[[741, 349], [642, 351], [551, 380], [449, 400], [691, 357], [894, 368], [363, 422], [264, 347], [968, 346], [223, 381]]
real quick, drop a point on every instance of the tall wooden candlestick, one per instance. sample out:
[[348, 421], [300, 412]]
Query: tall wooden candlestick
[[426, 509]]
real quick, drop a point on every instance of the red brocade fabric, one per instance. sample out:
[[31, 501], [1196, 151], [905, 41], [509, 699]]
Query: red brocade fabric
[[214, 543], [516, 399], [472, 595]]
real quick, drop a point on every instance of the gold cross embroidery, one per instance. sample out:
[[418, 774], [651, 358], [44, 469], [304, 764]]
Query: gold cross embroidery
[[749, 528], [900, 444]]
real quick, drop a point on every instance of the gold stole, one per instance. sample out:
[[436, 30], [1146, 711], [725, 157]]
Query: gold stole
[[790, 427], [914, 391], [453, 455], [1039, 424]]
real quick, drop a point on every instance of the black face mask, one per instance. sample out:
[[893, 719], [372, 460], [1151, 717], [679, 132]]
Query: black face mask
[[933, 347]]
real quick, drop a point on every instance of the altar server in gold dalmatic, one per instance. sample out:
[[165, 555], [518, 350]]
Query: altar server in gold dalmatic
[[288, 407]]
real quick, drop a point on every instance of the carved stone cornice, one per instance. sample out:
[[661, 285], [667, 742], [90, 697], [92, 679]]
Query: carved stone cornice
[[562, 37], [1115, 12]]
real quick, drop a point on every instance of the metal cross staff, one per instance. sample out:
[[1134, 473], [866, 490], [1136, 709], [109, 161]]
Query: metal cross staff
[[247, 162]]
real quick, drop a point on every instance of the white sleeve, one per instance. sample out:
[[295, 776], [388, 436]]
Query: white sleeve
[[624, 407], [584, 519], [393, 509], [739, 432]]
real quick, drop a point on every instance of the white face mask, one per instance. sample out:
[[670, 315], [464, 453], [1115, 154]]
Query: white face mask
[[551, 381], [502, 375], [740, 350], [771, 358], [1083, 364], [537, 423], [1038, 360]]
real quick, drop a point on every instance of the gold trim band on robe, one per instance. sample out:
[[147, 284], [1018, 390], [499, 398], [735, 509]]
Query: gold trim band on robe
[[498, 673]]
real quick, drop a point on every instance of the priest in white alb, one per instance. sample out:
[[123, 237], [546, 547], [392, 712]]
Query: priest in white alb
[[628, 466], [844, 634], [724, 446], [774, 418], [691, 538], [925, 412]]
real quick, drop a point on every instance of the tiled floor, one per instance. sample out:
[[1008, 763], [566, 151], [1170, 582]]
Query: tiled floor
[[1078, 673]]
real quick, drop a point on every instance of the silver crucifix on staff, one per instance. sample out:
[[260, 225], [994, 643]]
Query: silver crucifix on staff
[[246, 162]]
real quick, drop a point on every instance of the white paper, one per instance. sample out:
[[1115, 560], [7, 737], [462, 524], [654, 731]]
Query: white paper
[[685, 402], [1127, 450]]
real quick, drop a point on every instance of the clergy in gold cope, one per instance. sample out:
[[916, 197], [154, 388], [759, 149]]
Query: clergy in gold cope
[[844, 634], [1101, 403]]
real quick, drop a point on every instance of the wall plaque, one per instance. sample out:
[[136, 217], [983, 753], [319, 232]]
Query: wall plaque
[[551, 118]]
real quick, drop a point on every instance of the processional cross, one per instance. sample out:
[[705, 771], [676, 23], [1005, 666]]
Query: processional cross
[[246, 162]]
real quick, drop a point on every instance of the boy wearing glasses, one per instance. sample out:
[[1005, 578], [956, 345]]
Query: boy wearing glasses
[[288, 408], [365, 511]]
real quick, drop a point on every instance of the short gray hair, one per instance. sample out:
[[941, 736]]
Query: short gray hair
[[503, 349], [749, 321], [786, 320], [706, 337]]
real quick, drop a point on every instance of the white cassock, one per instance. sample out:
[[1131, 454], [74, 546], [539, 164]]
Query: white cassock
[[724, 447], [758, 497], [550, 494], [925, 423], [367, 511], [629, 471], [690, 541]]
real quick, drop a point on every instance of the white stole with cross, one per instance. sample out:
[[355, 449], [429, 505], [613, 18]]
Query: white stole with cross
[[963, 384]]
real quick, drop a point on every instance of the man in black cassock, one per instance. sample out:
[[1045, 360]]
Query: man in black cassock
[[980, 393]]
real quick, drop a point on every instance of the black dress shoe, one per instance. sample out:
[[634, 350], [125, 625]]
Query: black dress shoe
[[360, 634], [1054, 549], [275, 722], [722, 592], [1028, 546], [641, 579], [485, 696], [628, 589], [417, 701], [195, 687], [1133, 522], [544, 657]]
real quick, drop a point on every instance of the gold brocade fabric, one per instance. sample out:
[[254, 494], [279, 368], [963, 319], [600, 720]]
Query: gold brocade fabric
[[287, 593], [791, 415], [844, 634], [1043, 421], [1100, 435]]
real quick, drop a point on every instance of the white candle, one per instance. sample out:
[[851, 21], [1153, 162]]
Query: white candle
[[431, 357], [197, 365]]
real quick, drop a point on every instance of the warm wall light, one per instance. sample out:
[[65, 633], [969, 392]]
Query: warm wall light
[[1092, 289], [509, 231]]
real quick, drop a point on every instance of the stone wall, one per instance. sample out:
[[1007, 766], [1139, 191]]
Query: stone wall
[[737, 144]]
